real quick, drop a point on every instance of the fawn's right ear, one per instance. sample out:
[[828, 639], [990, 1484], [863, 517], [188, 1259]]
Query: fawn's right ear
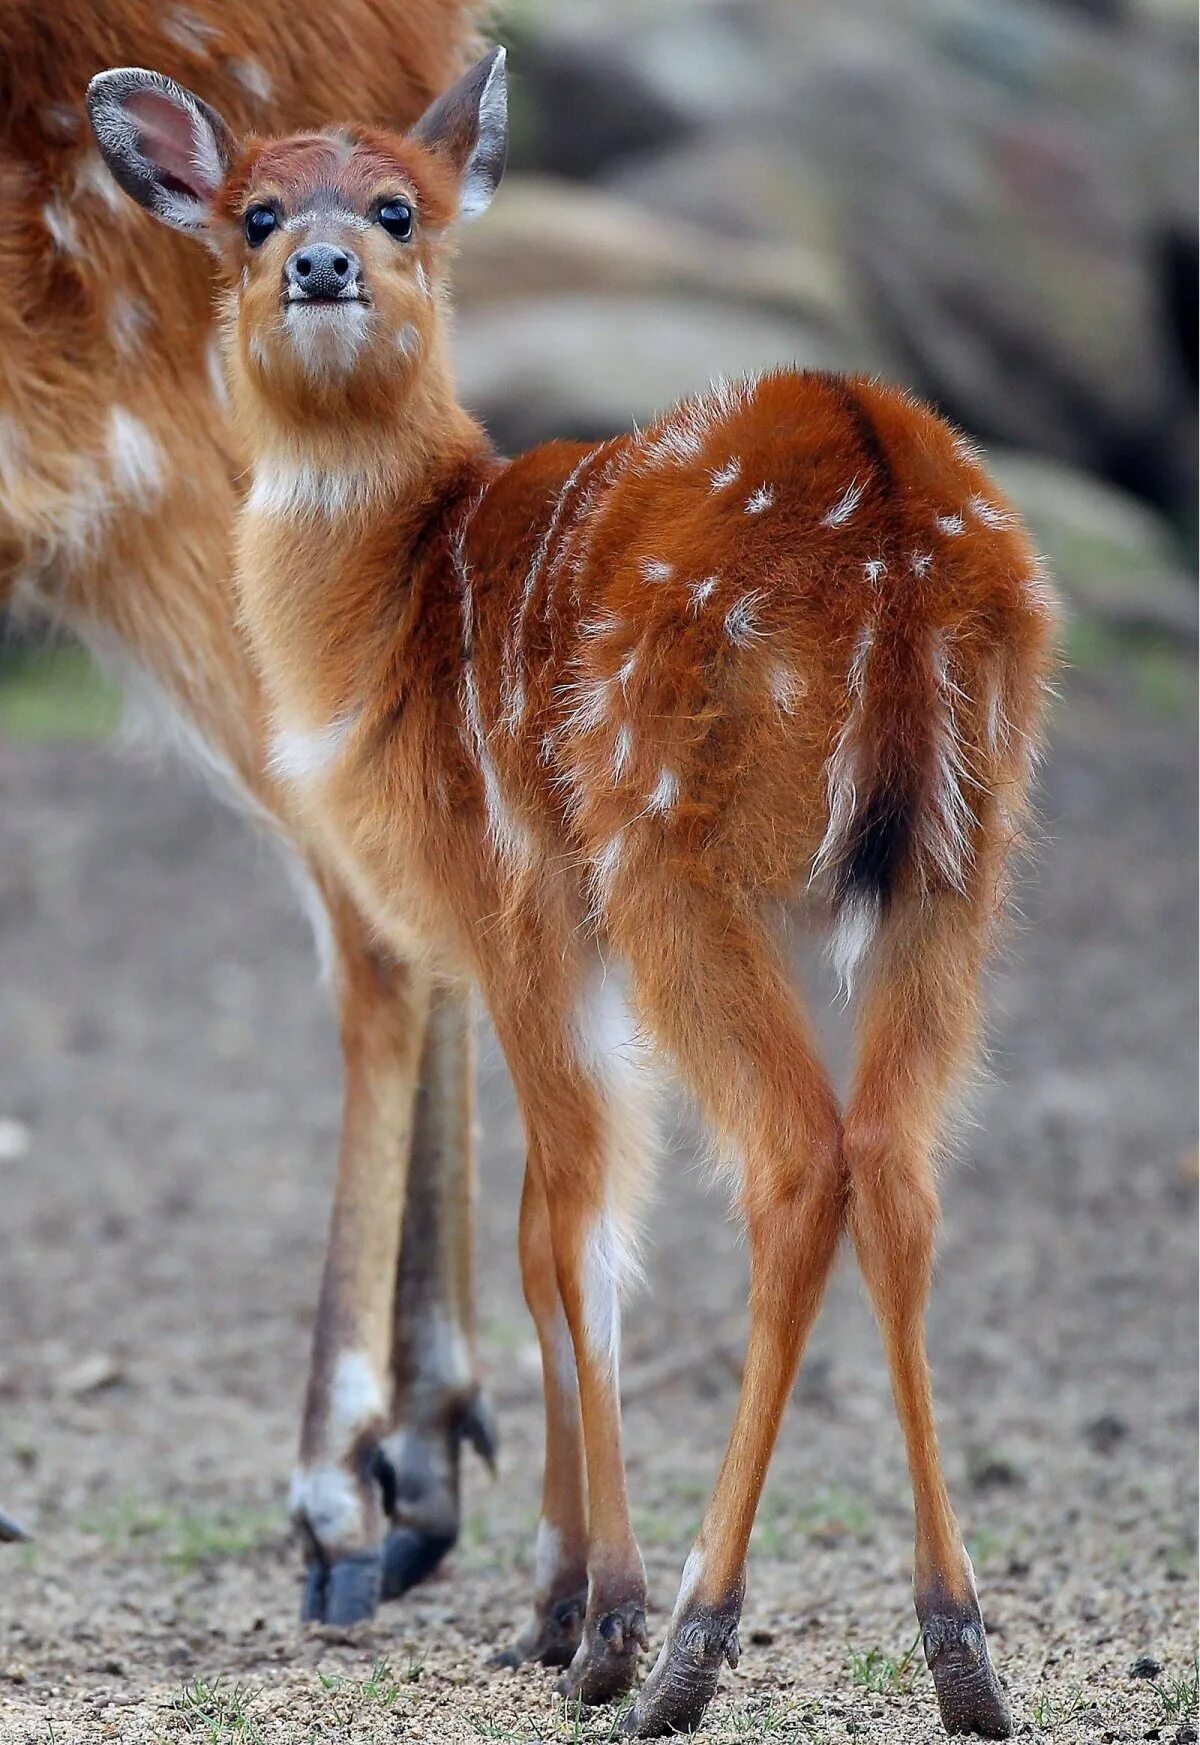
[[167, 149]]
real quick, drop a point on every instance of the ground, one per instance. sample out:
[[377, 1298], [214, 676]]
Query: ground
[[168, 1116]]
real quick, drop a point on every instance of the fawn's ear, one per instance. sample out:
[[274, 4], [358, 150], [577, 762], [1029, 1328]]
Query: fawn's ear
[[468, 125], [168, 150]]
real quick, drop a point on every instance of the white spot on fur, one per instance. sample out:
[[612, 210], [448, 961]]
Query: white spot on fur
[[844, 508], [729, 474], [408, 341], [135, 457], [92, 177], [422, 278], [189, 31], [654, 569], [689, 1581], [702, 592], [128, 321], [875, 569], [759, 500], [591, 700], [948, 818], [785, 686], [627, 669], [252, 76], [60, 120], [741, 626], [622, 751], [607, 865], [666, 792], [919, 562], [989, 513], [949, 524], [300, 754], [64, 232]]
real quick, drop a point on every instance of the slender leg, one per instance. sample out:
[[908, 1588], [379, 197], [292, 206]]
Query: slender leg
[[917, 1025], [335, 1491], [560, 1570], [437, 1402], [714, 993], [587, 1154]]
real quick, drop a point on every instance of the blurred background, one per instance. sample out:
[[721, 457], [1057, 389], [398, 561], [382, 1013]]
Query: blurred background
[[993, 202]]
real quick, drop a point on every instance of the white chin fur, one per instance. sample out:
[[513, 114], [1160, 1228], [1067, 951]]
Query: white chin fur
[[328, 338]]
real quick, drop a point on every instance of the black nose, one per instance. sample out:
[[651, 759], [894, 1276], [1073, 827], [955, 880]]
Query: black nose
[[322, 270]]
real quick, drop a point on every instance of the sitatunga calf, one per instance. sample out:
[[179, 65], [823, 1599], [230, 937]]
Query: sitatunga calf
[[581, 726]]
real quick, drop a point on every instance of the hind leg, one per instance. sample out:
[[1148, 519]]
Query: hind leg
[[713, 991], [587, 1159], [560, 1565], [916, 1028]]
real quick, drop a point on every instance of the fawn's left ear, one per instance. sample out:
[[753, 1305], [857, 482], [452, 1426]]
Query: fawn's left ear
[[167, 149], [469, 126]]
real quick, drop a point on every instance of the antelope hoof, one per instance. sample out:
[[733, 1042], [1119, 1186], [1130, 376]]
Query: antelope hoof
[[605, 1665], [684, 1680], [409, 1555], [554, 1636], [344, 1592], [968, 1692]]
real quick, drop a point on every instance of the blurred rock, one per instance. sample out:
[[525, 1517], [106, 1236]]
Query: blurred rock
[[551, 238], [1112, 556], [579, 102], [586, 367], [1007, 189]]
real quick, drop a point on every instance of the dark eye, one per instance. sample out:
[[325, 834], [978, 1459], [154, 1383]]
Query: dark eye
[[396, 218], [260, 222]]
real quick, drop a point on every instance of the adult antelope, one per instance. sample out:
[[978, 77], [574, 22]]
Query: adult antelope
[[580, 724], [118, 485]]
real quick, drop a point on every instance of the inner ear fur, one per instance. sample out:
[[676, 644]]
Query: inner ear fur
[[468, 125]]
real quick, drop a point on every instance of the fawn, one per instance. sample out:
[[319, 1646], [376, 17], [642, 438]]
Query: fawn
[[118, 487], [578, 727]]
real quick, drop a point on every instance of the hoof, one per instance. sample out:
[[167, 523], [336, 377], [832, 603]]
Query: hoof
[[968, 1692], [11, 1531], [345, 1592], [684, 1680], [554, 1636], [409, 1556], [605, 1666]]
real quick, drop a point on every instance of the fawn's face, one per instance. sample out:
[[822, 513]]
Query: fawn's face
[[333, 244]]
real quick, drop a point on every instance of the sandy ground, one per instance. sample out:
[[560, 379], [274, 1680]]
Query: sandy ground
[[166, 1052]]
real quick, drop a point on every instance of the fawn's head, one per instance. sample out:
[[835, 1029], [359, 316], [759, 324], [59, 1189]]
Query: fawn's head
[[333, 244]]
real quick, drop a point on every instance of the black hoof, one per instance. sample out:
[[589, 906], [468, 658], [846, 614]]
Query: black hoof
[[968, 1692], [345, 1592], [684, 1679], [409, 1556]]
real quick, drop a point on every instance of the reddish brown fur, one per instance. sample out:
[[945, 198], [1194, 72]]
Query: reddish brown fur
[[101, 311], [610, 707]]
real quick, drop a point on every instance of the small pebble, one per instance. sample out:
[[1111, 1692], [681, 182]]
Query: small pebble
[[1145, 1666]]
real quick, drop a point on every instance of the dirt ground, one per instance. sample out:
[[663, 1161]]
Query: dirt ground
[[168, 1116]]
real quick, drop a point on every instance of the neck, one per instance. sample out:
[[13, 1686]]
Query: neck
[[327, 532]]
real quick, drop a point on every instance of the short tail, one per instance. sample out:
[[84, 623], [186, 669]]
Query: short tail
[[901, 817]]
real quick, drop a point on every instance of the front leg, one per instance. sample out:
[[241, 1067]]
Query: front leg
[[437, 1403], [336, 1494]]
